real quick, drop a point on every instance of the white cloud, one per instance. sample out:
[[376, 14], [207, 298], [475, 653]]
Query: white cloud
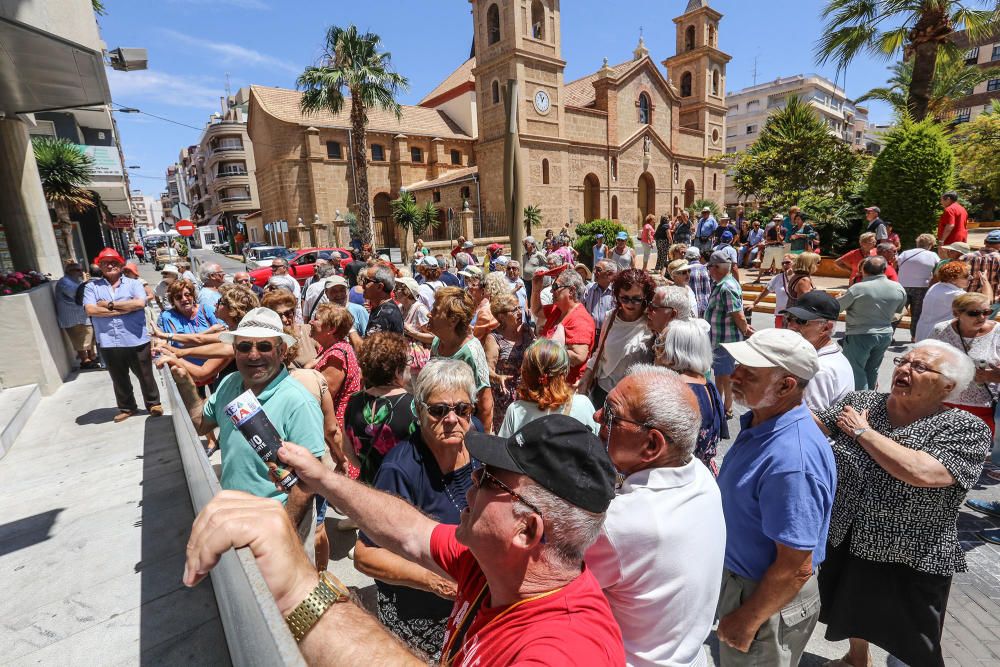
[[242, 4], [234, 53], [137, 88]]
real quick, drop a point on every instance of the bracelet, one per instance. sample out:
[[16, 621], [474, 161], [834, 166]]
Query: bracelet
[[304, 617]]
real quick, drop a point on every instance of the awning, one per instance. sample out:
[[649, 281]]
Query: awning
[[40, 71], [211, 221]]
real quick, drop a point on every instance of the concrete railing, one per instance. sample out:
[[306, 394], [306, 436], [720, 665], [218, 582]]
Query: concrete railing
[[255, 630]]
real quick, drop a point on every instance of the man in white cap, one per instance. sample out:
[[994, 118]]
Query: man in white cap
[[259, 345], [335, 291], [778, 482]]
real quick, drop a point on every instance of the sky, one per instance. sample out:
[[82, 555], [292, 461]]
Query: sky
[[194, 44]]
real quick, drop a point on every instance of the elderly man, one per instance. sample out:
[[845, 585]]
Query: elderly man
[[727, 323], [598, 298], [987, 260], [280, 275], [447, 267], [72, 316], [168, 274], [116, 305], [753, 245], [532, 261], [315, 291], [524, 595], [876, 226], [259, 346], [660, 553], [243, 278], [670, 302], [888, 251], [704, 230], [700, 282], [872, 306], [774, 248], [212, 276], [378, 283], [952, 225], [814, 316], [778, 483], [335, 292]]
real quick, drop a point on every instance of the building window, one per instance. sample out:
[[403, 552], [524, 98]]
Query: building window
[[495, 87], [716, 82], [492, 24], [730, 149], [686, 84], [711, 35], [753, 104], [416, 154], [464, 192], [715, 136], [436, 195], [993, 84], [715, 181], [378, 153], [677, 173], [996, 52], [456, 157], [614, 169], [333, 150], [963, 115], [689, 38], [644, 108], [545, 172], [972, 55], [751, 129], [537, 20]]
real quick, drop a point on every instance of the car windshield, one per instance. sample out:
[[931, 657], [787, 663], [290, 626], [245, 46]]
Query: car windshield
[[268, 253]]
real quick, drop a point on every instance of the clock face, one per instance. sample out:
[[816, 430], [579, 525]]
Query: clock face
[[542, 102]]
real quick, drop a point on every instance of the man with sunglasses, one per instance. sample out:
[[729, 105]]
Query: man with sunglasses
[[813, 317], [378, 283], [259, 347], [243, 278], [599, 298], [212, 276], [524, 594], [280, 276]]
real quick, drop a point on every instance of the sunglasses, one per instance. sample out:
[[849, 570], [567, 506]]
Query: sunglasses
[[263, 346], [481, 476], [655, 307], [791, 319], [462, 410], [978, 313], [279, 266], [286, 314], [632, 300]]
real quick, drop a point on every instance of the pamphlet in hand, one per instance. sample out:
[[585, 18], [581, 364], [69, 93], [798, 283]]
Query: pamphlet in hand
[[251, 420]]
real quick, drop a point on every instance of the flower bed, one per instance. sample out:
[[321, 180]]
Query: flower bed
[[16, 282]]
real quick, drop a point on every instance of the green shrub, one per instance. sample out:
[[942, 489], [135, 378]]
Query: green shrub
[[914, 167], [586, 237]]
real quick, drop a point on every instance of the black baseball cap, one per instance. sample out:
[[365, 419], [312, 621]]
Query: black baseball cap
[[557, 452], [815, 305]]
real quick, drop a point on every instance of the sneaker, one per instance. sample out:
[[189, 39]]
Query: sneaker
[[156, 410], [122, 416]]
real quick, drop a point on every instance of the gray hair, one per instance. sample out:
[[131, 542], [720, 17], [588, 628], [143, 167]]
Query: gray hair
[[686, 348], [496, 283], [445, 375], [885, 246], [208, 269], [959, 368], [514, 262], [555, 257], [663, 405], [674, 297], [608, 266], [569, 530], [873, 266], [324, 270], [571, 279], [383, 274], [335, 256], [462, 260]]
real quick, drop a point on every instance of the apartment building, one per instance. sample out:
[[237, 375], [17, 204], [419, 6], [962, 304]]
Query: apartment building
[[984, 55]]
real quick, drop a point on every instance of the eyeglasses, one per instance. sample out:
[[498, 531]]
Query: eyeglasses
[[286, 314], [608, 418], [916, 366], [785, 262], [978, 313], [263, 346], [631, 300], [279, 266], [462, 410], [482, 476], [655, 307]]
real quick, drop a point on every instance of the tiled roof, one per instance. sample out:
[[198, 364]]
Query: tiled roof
[[461, 75], [451, 176], [580, 93], [283, 104]]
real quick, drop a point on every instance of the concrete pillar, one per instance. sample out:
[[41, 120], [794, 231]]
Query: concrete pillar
[[468, 228], [25, 214]]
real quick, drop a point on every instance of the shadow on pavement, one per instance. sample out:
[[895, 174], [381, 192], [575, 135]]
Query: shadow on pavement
[[97, 416], [26, 532]]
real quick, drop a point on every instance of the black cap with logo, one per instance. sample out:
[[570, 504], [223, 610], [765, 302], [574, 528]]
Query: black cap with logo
[[558, 453], [815, 305]]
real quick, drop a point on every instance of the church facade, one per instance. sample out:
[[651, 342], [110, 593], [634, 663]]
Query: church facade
[[622, 142]]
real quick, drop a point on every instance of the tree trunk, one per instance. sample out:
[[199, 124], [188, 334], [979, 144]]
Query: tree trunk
[[924, 62], [359, 121]]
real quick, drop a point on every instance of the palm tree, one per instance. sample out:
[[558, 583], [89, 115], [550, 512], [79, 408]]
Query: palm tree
[[65, 172], [353, 61], [953, 79], [919, 29], [532, 217]]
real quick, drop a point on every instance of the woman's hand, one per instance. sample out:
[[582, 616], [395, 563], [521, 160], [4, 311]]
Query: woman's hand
[[849, 420], [215, 328]]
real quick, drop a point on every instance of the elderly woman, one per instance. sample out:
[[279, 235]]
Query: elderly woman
[[626, 338], [416, 318], [679, 272], [953, 280], [331, 329], [432, 470], [977, 336], [686, 350], [505, 348], [904, 465], [803, 268], [381, 415], [187, 317], [284, 303], [544, 390], [566, 321], [453, 339], [552, 261]]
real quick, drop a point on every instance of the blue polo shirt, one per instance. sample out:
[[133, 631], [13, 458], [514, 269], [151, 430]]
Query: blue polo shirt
[[778, 481]]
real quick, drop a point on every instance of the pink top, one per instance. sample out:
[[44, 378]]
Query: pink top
[[344, 353]]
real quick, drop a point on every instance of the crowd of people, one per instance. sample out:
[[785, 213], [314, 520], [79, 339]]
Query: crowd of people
[[529, 447]]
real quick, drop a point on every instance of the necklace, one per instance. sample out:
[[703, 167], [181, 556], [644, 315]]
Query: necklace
[[448, 492]]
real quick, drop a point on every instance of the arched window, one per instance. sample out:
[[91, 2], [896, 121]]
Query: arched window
[[614, 169], [711, 35], [689, 38], [689, 194], [716, 82], [537, 20], [545, 172], [495, 87], [677, 173], [493, 24], [686, 84], [644, 106]]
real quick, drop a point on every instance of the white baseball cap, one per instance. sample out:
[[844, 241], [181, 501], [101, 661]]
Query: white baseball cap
[[410, 284], [335, 281], [777, 348], [170, 268], [258, 323]]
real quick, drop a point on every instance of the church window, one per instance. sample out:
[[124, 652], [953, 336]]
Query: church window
[[464, 192], [711, 35], [537, 20], [644, 108], [614, 169], [716, 82], [416, 154], [689, 38], [493, 24], [677, 174], [378, 153], [436, 195], [333, 150], [686, 84], [496, 92], [545, 172], [715, 181], [456, 156]]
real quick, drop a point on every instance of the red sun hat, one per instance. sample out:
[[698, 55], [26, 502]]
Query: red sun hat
[[108, 253]]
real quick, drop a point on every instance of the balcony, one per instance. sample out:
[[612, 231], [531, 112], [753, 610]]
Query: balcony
[[226, 199]]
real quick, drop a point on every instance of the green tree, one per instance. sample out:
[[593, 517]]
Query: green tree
[[532, 217], [65, 171], [977, 153], [953, 79], [586, 237], [920, 29], [410, 215], [354, 62], [99, 7], [914, 167]]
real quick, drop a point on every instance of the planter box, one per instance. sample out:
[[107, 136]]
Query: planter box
[[34, 349]]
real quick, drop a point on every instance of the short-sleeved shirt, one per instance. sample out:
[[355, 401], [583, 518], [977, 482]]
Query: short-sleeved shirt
[[888, 520], [520, 413], [565, 252], [569, 626], [937, 308], [173, 321], [385, 317], [647, 234], [68, 312], [208, 297], [915, 266], [954, 214], [579, 328], [127, 329], [599, 302], [778, 482], [988, 263], [833, 381], [778, 286], [803, 244], [473, 354], [374, 425], [295, 414], [872, 304], [701, 285], [853, 259], [726, 298]]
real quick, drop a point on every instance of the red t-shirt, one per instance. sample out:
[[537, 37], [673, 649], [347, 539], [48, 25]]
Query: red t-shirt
[[853, 259], [571, 626], [956, 215], [580, 329], [890, 273]]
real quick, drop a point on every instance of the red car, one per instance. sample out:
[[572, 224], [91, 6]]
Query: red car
[[301, 264]]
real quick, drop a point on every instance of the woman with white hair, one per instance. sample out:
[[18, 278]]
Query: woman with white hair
[[433, 472], [905, 463], [686, 350]]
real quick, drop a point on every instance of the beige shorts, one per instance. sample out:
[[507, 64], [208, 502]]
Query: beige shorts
[[773, 254], [81, 337]]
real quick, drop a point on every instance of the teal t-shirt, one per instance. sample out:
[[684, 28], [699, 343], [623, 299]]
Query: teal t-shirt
[[293, 411]]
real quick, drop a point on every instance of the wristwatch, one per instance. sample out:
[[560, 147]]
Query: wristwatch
[[858, 432], [328, 592]]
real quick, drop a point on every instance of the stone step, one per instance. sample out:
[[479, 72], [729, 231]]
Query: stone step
[[16, 406]]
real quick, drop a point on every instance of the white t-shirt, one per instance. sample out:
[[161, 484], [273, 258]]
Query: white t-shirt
[[776, 286], [833, 381], [520, 413], [937, 308], [659, 559], [427, 291], [915, 267], [626, 344]]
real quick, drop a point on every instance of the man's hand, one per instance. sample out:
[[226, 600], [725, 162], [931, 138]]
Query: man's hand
[[310, 470], [181, 376], [234, 520], [737, 629]]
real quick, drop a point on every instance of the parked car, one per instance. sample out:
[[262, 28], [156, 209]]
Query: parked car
[[301, 264], [165, 255], [249, 246], [262, 255]]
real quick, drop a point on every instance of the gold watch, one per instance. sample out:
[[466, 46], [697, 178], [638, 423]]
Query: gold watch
[[328, 592]]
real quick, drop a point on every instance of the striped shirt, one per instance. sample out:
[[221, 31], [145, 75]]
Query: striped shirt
[[988, 263], [726, 299]]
